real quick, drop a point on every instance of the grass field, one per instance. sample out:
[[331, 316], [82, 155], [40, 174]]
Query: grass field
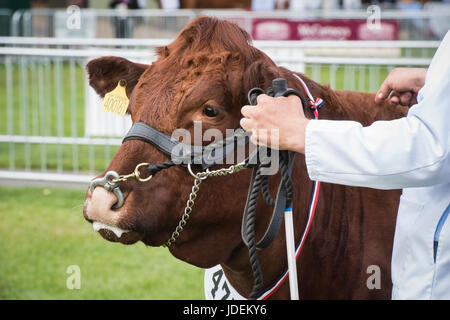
[[43, 232]]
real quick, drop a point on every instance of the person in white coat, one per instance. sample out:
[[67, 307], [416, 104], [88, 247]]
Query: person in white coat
[[411, 153]]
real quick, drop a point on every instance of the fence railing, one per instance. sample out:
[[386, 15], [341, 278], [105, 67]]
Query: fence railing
[[5, 22], [51, 124], [426, 24]]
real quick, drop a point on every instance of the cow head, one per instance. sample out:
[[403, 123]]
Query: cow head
[[204, 75]]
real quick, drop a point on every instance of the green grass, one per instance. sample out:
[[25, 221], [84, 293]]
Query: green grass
[[56, 157], [43, 232]]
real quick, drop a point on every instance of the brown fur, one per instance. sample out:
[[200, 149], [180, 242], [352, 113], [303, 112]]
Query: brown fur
[[212, 62]]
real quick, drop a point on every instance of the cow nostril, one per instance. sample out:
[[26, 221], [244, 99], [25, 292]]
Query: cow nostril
[[101, 204]]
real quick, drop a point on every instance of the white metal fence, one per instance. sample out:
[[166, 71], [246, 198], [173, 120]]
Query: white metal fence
[[51, 124], [427, 24], [5, 21]]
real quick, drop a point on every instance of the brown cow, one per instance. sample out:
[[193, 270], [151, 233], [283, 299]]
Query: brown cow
[[212, 64]]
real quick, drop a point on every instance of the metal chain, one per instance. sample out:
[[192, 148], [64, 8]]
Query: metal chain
[[186, 215], [223, 171], [198, 179]]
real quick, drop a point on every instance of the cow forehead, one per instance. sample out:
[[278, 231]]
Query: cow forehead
[[166, 86]]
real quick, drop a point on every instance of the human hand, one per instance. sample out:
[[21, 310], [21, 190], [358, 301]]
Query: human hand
[[278, 123], [401, 86]]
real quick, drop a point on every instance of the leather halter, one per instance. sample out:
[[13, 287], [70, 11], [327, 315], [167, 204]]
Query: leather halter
[[214, 153], [183, 154]]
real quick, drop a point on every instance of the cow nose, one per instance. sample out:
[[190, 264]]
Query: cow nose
[[99, 208], [110, 181], [103, 199]]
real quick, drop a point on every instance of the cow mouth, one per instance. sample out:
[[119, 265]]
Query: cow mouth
[[116, 234], [97, 226]]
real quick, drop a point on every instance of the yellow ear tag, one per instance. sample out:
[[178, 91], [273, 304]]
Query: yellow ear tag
[[116, 101]]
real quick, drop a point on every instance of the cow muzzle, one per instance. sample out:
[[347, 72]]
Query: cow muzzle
[[108, 222]]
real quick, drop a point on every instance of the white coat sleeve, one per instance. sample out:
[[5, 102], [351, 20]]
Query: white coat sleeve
[[407, 152]]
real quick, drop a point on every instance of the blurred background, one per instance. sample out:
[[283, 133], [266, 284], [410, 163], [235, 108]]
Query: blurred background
[[404, 19], [54, 137]]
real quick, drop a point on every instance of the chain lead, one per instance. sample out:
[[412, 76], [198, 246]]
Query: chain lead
[[186, 215], [198, 179]]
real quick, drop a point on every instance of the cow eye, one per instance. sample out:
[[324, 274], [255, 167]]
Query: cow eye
[[210, 112]]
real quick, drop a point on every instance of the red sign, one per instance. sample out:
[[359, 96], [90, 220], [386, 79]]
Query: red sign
[[350, 29]]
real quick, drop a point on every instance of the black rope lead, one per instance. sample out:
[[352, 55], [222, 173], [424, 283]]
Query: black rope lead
[[155, 168], [259, 183]]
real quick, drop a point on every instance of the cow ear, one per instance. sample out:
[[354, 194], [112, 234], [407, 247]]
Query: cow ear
[[260, 74], [104, 74]]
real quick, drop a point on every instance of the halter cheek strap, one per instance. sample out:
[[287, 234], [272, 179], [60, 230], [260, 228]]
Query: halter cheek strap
[[183, 154]]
